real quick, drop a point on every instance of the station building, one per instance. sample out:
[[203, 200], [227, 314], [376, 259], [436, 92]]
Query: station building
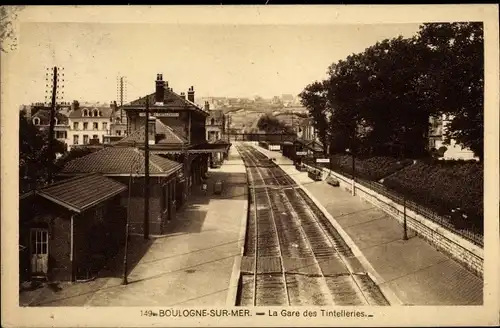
[[69, 229]]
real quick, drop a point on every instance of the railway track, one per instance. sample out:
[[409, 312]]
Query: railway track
[[293, 255]]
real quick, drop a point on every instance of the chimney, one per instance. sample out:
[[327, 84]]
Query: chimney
[[191, 94], [207, 105], [160, 89], [183, 95]]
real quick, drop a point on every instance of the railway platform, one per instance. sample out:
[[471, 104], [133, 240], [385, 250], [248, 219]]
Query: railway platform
[[191, 265], [413, 271]]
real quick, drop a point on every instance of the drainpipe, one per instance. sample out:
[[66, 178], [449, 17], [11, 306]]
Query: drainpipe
[[72, 248]]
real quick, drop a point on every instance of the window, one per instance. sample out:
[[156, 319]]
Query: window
[[212, 121], [75, 126], [85, 139], [95, 136], [94, 113], [96, 126], [85, 112], [85, 125], [60, 134], [118, 132], [104, 125], [75, 139], [118, 120], [36, 121]]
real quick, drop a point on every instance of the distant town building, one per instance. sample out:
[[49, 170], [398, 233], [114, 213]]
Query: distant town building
[[40, 117], [215, 125], [88, 125], [436, 138], [118, 125]]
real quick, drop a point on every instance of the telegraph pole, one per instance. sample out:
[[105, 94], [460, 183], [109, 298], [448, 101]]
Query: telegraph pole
[[146, 172], [120, 90], [53, 107]]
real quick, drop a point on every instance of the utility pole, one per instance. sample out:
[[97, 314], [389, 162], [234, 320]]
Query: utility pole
[[146, 172], [120, 90], [53, 110]]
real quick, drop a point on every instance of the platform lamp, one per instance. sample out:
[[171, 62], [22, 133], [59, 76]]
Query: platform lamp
[[133, 168], [351, 151]]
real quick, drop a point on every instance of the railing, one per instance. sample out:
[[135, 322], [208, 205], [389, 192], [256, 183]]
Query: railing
[[464, 228]]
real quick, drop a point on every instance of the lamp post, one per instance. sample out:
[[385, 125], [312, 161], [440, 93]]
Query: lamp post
[[134, 167], [353, 171]]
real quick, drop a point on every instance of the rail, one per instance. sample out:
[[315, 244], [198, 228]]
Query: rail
[[306, 238]]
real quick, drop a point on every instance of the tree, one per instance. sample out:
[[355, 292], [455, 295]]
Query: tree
[[379, 101], [34, 158], [314, 98], [270, 124], [456, 66]]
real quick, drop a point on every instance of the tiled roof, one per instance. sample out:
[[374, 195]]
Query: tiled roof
[[120, 160], [171, 100], [164, 136], [78, 113], [81, 193]]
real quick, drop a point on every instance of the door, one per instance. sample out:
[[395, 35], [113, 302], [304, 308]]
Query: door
[[39, 252], [172, 202]]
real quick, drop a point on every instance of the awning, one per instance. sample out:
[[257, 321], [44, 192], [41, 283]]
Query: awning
[[209, 148]]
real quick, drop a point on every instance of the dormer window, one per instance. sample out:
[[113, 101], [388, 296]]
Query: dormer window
[[36, 121], [212, 121], [95, 113], [85, 112]]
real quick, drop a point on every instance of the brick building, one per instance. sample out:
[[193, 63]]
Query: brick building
[[120, 164], [68, 230], [177, 131]]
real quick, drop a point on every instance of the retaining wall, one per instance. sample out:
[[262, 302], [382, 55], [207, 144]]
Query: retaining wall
[[462, 250]]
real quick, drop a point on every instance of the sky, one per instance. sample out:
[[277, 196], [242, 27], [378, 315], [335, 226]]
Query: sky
[[224, 60]]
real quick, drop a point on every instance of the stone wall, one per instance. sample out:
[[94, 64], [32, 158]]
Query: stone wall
[[462, 250]]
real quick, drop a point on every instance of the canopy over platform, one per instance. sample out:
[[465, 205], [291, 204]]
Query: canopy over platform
[[206, 148]]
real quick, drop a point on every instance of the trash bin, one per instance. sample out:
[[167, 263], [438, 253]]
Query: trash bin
[[218, 187]]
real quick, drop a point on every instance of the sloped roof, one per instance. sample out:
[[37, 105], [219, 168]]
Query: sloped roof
[[164, 135], [119, 161], [171, 100], [44, 116], [78, 113], [216, 113], [81, 193]]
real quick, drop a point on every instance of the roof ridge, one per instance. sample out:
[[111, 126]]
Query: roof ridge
[[158, 167], [175, 134]]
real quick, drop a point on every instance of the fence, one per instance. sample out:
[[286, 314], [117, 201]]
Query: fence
[[457, 225]]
